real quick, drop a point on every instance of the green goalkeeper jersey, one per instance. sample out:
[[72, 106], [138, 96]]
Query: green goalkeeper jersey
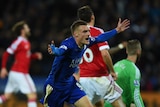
[[128, 78]]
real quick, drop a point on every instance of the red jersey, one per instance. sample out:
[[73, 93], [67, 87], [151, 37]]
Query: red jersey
[[21, 49], [92, 64]]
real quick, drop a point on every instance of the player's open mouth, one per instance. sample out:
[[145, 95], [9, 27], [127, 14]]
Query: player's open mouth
[[87, 38]]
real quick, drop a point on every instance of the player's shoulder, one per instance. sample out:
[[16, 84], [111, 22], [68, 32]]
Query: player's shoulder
[[69, 42], [95, 31], [19, 40], [124, 63]]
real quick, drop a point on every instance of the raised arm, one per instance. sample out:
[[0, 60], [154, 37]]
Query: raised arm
[[121, 26], [117, 48], [55, 50]]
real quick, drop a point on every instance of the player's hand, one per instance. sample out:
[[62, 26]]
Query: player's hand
[[121, 26], [39, 55], [49, 47], [113, 74], [3, 73]]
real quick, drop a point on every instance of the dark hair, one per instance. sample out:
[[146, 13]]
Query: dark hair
[[133, 46], [85, 13], [16, 29], [76, 24]]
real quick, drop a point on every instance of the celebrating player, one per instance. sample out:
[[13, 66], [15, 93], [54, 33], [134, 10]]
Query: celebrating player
[[18, 77], [96, 68], [61, 85]]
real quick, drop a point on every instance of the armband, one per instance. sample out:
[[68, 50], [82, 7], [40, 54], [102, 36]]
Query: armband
[[57, 51]]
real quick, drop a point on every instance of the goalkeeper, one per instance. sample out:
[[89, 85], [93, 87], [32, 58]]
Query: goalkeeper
[[128, 75]]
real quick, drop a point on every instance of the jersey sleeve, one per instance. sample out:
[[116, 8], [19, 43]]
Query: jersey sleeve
[[34, 56], [102, 37], [9, 51], [135, 87], [5, 59], [102, 45], [12, 48], [62, 49]]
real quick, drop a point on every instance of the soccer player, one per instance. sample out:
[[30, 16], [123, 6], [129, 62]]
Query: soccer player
[[96, 69], [61, 85], [128, 75], [18, 77]]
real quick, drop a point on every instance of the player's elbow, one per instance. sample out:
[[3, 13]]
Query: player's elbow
[[104, 53]]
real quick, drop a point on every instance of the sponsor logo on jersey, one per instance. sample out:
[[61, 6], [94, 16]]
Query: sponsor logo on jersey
[[136, 82], [92, 39], [79, 85], [75, 62]]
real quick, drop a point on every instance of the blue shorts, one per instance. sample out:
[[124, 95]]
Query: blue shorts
[[59, 96]]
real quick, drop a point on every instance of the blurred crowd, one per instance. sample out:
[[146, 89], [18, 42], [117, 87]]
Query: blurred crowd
[[51, 20]]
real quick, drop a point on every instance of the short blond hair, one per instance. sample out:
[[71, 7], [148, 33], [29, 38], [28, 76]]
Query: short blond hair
[[133, 46]]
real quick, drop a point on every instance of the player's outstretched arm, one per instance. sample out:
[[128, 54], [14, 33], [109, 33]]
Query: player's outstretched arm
[[122, 25], [117, 48], [54, 50]]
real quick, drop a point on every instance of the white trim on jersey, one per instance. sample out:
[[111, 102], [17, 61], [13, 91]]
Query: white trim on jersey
[[102, 31], [9, 50], [104, 47], [136, 98], [15, 44], [137, 76]]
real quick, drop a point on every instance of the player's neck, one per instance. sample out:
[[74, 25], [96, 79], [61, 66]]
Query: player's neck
[[91, 23], [24, 36], [80, 46], [92, 20], [132, 58]]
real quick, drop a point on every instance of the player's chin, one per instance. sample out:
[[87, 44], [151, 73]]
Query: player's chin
[[87, 42]]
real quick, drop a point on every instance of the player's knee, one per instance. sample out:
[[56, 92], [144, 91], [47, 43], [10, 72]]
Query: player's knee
[[118, 103], [32, 96], [3, 98], [7, 96], [99, 104], [83, 102]]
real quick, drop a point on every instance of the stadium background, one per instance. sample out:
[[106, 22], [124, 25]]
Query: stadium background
[[51, 20]]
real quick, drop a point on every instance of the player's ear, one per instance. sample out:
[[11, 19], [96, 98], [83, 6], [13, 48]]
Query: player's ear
[[139, 51], [126, 51], [92, 17], [75, 34]]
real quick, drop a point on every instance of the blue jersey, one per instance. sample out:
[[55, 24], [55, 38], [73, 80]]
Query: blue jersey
[[65, 65], [67, 59]]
